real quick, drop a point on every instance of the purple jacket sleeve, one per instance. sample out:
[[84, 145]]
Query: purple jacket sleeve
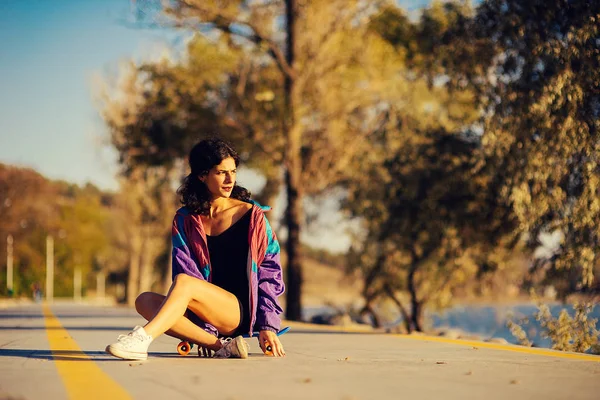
[[270, 285], [184, 262]]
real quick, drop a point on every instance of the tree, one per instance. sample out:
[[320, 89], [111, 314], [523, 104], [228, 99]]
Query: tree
[[577, 333], [527, 71], [536, 83], [27, 218], [429, 216], [297, 120], [82, 233], [427, 232], [34, 207], [145, 199]]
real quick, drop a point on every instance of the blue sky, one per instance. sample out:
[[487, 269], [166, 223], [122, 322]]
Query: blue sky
[[49, 53]]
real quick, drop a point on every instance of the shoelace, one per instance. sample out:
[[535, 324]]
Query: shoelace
[[225, 351], [129, 339], [124, 337], [208, 353]]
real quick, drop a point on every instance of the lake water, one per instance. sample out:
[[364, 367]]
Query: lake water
[[490, 321], [486, 321]]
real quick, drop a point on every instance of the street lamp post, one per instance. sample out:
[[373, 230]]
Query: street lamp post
[[49, 268], [9, 264]]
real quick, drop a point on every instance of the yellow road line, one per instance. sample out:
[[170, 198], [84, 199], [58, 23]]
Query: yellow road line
[[505, 347], [82, 378]]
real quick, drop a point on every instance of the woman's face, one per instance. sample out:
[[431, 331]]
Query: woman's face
[[221, 178]]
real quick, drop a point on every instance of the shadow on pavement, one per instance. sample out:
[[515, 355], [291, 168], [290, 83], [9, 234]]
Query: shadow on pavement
[[62, 355], [73, 355], [91, 315], [68, 328]]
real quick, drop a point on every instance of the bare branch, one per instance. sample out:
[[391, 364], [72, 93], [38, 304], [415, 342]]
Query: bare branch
[[224, 23]]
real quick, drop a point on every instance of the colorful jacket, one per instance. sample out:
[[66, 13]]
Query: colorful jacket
[[190, 256]]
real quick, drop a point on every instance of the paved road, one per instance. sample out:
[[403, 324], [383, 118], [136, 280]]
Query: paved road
[[57, 353]]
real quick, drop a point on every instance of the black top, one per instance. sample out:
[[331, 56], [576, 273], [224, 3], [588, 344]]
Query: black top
[[229, 260]]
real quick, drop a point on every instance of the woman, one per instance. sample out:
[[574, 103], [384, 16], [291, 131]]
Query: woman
[[226, 267]]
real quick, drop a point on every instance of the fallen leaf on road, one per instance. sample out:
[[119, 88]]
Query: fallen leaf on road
[[514, 382], [135, 364], [307, 380]]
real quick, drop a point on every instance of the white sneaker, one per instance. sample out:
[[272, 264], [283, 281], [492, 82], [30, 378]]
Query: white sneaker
[[233, 348], [133, 346]]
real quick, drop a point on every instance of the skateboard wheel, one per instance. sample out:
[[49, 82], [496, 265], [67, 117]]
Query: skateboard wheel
[[183, 348]]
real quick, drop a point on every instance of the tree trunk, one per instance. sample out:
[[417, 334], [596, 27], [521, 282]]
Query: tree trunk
[[405, 317], [294, 218], [416, 311], [417, 316], [133, 280], [293, 165], [147, 263]]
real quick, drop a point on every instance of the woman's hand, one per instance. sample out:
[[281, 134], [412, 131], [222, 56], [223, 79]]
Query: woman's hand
[[270, 339]]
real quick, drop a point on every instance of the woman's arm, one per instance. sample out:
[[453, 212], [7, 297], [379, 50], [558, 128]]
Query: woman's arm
[[270, 284]]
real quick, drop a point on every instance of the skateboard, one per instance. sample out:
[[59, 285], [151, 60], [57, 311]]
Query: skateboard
[[184, 347]]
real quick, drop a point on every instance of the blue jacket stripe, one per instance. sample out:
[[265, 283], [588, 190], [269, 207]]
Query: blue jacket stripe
[[272, 244]]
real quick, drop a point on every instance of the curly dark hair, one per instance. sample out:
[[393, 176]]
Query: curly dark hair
[[204, 155]]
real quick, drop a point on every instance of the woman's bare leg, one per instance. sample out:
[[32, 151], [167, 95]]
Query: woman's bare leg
[[147, 305], [209, 302]]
